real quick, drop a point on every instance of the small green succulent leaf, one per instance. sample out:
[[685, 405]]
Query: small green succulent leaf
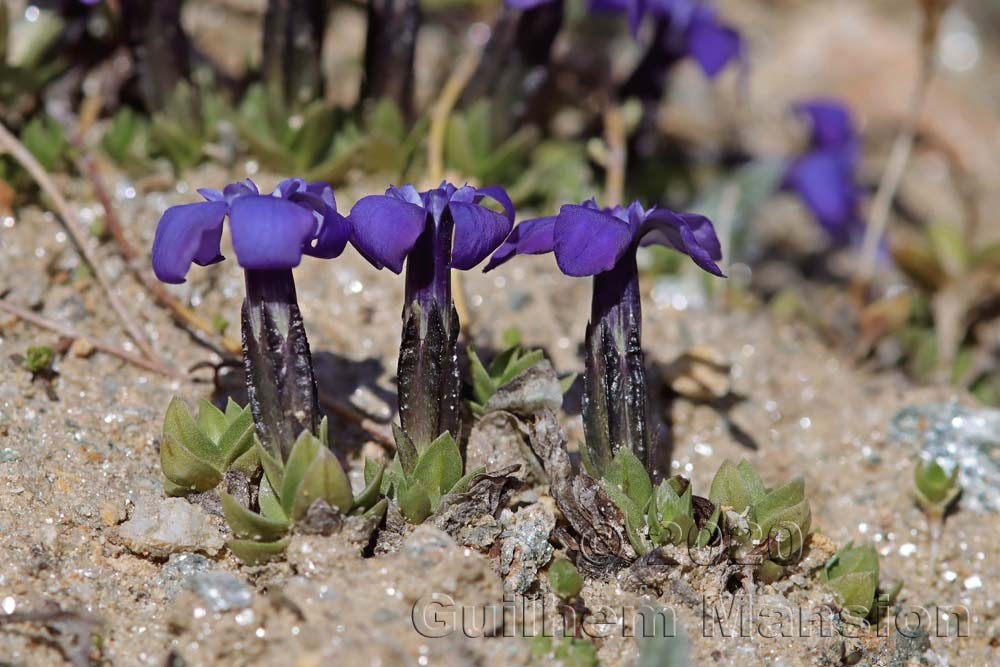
[[439, 466], [249, 525], [852, 575], [187, 472], [273, 470], [405, 448], [565, 579], [628, 474], [233, 411], [635, 519], [323, 432], [414, 502], [671, 516], [482, 384], [175, 490], [373, 486], [372, 468], [270, 504], [766, 510], [237, 438], [462, 485], [211, 420], [305, 449], [249, 461], [256, 553], [377, 510], [935, 487], [704, 534], [181, 426], [324, 480], [736, 486], [519, 364]]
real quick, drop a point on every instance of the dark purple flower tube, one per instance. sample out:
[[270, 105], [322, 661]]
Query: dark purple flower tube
[[433, 232], [824, 177], [270, 233], [589, 241]]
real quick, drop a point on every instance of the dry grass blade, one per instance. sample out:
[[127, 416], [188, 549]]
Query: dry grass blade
[[103, 346]]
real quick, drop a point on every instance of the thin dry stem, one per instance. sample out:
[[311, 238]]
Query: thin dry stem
[[616, 140], [899, 157], [10, 143], [103, 346]]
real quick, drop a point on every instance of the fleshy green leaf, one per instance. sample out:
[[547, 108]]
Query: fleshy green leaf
[[270, 504], [305, 449], [373, 488], [629, 475], [248, 525], [273, 470], [439, 466], [211, 420], [462, 485], [482, 384], [565, 579], [255, 553], [324, 480], [736, 486], [414, 502], [181, 426], [634, 517], [185, 470]]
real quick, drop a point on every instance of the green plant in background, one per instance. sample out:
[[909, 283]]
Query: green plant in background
[[934, 488], [188, 123], [419, 480], [38, 360], [662, 646], [472, 150], [852, 574], [755, 515], [312, 475], [125, 134], [505, 367], [565, 579], [568, 651], [556, 172], [196, 454]]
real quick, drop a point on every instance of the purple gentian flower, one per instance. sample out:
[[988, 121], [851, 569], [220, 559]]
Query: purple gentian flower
[[433, 232], [589, 241], [825, 176], [685, 28], [270, 234]]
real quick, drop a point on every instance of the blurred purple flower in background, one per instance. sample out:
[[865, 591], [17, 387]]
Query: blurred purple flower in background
[[825, 176], [685, 28]]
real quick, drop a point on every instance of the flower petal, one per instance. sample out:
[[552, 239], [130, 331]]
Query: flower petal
[[825, 182], [244, 188], [500, 196], [588, 242], [270, 233], [530, 237], [187, 233], [832, 125], [686, 233], [711, 43], [478, 232], [384, 229], [334, 233]]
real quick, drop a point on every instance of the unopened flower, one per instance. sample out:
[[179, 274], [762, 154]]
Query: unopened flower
[[431, 232], [935, 488], [270, 233], [824, 177], [589, 241]]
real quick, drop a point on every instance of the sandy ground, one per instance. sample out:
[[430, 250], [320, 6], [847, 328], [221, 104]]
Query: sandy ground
[[79, 469]]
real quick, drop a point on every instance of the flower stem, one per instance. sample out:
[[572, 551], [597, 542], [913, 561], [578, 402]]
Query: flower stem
[[615, 399], [428, 354], [280, 382]]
